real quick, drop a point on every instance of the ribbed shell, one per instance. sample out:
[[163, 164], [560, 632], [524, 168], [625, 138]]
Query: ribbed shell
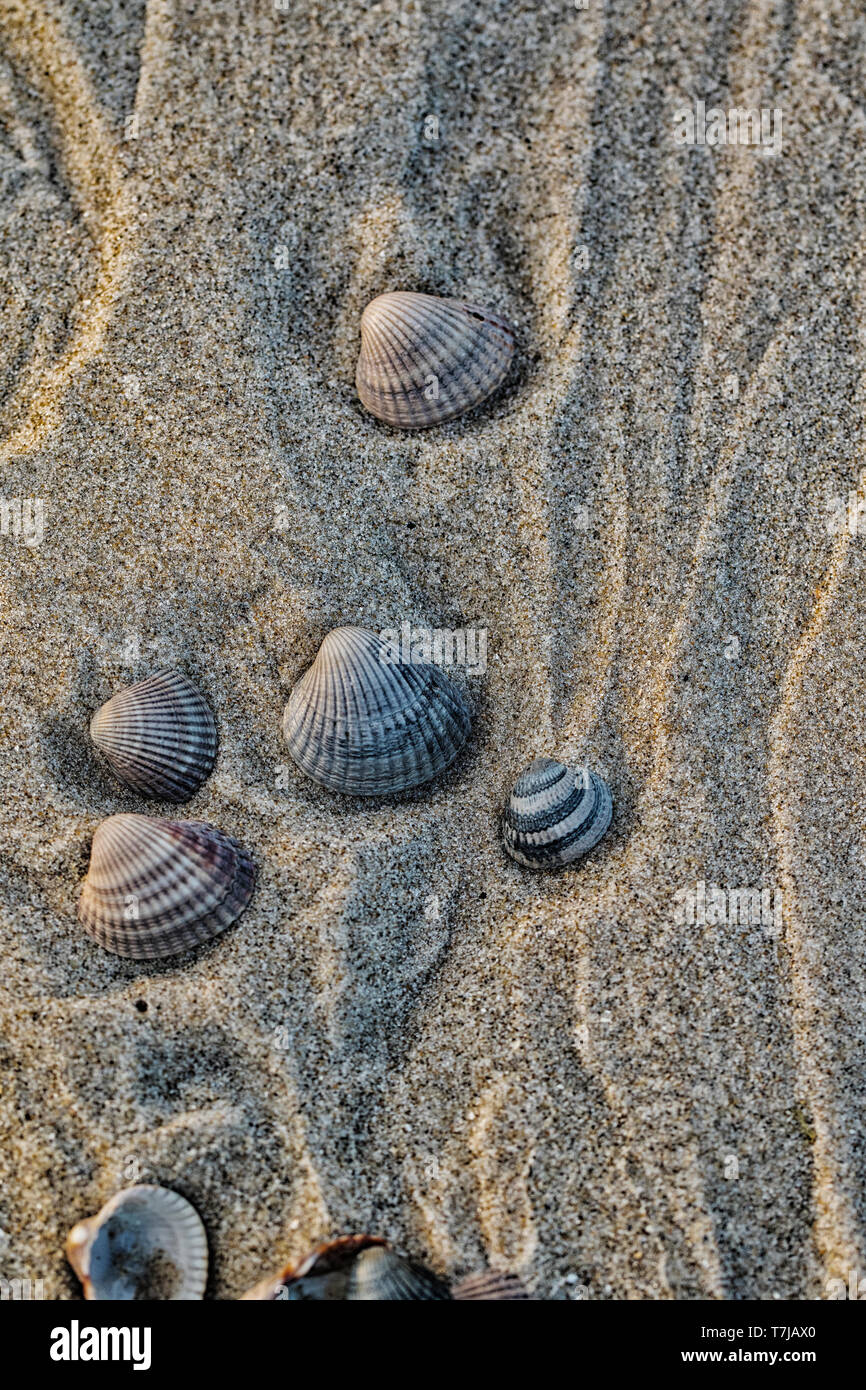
[[555, 815], [360, 724], [146, 1243], [353, 1269], [491, 1286], [425, 360], [158, 735], [157, 887]]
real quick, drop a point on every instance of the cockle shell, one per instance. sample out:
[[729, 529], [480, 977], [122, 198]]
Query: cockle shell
[[158, 887], [425, 360], [158, 735], [364, 1269], [146, 1243], [360, 723], [555, 814]]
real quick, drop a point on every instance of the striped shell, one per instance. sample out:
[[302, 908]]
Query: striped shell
[[146, 1243], [555, 815], [158, 735], [361, 723], [158, 887], [426, 360], [354, 1269]]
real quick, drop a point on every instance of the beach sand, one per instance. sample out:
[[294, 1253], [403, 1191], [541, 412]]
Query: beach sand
[[406, 1033]]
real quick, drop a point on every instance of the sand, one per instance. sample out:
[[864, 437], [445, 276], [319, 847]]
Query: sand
[[406, 1033]]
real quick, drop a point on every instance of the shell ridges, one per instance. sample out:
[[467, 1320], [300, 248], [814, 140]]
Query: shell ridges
[[491, 1286]]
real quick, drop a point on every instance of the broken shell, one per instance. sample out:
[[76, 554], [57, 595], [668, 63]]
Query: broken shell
[[491, 1286], [146, 1243], [329, 1258], [158, 735], [425, 360], [158, 887], [360, 723], [555, 814], [366, 1269], [354, 1269]]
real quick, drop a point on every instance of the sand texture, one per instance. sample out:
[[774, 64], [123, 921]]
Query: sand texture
[[406, 1033]]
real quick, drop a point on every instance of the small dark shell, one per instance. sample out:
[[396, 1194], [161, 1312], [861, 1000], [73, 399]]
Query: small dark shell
[[555, 815], [353, 1269], [158, 735], [425, 360]]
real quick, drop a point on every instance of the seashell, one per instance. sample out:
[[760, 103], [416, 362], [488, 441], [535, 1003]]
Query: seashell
[[425, 360], [158, 735], [146, 1243], [157, 887], [491, 1286], [555, 815], [353, 1269], [360, 723]]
